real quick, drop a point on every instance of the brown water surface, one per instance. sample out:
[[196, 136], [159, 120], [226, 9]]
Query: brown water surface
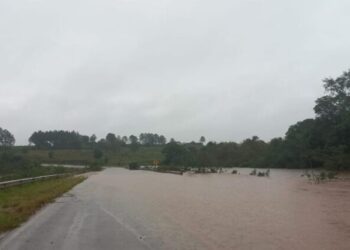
[[225, 211]]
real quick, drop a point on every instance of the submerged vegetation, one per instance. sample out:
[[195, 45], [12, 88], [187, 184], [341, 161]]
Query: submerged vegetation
[[134, 166], [320, 176]]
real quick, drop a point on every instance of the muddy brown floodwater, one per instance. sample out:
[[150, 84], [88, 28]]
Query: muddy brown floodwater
[[225, 211]]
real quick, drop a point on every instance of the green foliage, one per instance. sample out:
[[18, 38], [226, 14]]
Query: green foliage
[[15, 166], [95, 166], [312, 143], [112, 142], [59, 139], [18, 203], [168, 168], [337, 101], [133, 139], [264, 173], [175, 154], [51, 154], [6, 138], [320, 142], [325, 141], [92, 140], [98, 153], [150, 139], [246, 154], [331, 175], [9, 160], [143, 155], [134, 166], [253, 172], [318, 177]]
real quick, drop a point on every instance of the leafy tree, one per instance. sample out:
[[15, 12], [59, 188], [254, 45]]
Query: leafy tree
[[6, 138], [202, 139], [59, 140], [134, 142], [133, 139], [125, 139], [102, 144], [150, 139], [98, 153], [336, 102], [92, 139], [176, 154], [111, 139], [162, 140], [113, 142], [251, 152], [302, 142]]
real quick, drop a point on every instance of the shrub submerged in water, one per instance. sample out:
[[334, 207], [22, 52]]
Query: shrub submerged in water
[[261, 174], [267, 173], [134, 166], [213, 170], [319, 177], [253, 172]]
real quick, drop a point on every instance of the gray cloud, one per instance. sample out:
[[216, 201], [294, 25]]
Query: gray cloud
[[224, 69]]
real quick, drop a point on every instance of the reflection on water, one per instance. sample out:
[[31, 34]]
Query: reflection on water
[[225, 211]]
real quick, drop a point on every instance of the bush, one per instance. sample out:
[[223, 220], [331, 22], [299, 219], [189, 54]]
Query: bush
[[134, 166], [51, 155], [95, 166], [319, 177], [261, 174], [165, 168], [332, 175], [253, 172], [98, 154], [267, 173], [234, 171]]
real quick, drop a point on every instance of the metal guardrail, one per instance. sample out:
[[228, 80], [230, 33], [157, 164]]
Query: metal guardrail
[[11, 183]]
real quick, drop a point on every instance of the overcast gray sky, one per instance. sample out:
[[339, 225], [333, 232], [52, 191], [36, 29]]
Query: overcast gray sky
[[226, 69]]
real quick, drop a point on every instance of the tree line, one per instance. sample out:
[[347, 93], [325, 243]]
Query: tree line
[[58, 139], [322, 141]]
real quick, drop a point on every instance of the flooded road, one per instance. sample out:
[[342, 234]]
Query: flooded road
[[213, 211]]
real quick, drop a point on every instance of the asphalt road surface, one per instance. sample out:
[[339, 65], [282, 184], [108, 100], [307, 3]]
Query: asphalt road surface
[[73, 222]]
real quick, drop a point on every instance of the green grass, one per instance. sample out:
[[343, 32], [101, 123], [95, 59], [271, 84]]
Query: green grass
[[18, 203], [36, 170], [64, 156], [122, 157], [143, 156]]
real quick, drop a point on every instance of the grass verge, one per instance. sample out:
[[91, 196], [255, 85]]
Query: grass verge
[[18, 203]]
